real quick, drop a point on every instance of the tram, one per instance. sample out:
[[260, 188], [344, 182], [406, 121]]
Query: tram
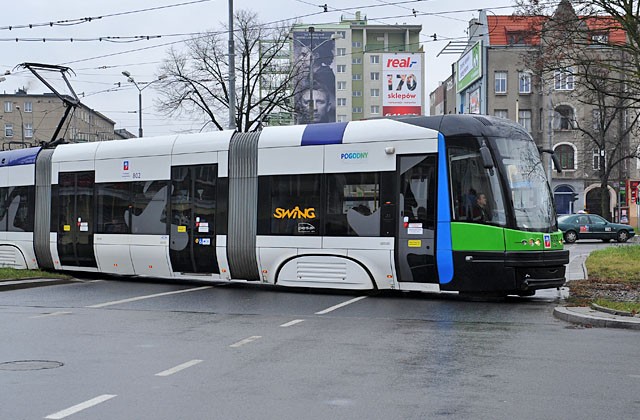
[[448, 203]]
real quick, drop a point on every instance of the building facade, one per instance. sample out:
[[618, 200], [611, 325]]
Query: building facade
[[28, 120], [551, 104]]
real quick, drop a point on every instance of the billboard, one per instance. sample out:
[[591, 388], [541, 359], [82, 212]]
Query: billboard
[[469, 67], [402, 84], [315, 84]]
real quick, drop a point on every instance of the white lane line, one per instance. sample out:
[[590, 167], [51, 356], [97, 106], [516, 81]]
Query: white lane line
[[333, 308], [51, 314], [290, 323], [117, 302], [79, 407], [246, 341], [178, 368]]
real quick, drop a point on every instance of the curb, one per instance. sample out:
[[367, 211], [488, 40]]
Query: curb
[[592, 318]]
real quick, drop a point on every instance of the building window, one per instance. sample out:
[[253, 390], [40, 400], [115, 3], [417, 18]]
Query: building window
[[501, 113], [566, 154], [375, 109], [564, 79], [600, 38], [28, 107], [342, 101], [356, 60], [357, 110], [524, 82], [341, 118], [8, 106], [28, 130], [375, 93], [357, 93], [356, 44], [8, 130], [524, 118], [342, 85], [342, 34], [597, 120], [375, 59], [501, 82], [357, 76], [596, 158], [563, 118], [341, 52], [375, 75], [341, 68]]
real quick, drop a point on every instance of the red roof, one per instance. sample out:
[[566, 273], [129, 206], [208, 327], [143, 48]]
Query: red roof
[[503, 30]]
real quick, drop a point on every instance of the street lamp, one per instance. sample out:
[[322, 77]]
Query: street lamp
[[21, 124], [130, 79]]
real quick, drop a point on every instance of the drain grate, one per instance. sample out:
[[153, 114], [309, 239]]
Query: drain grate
[[19, 365]]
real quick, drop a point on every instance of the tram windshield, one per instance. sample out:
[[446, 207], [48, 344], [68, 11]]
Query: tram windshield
[[527, 184]]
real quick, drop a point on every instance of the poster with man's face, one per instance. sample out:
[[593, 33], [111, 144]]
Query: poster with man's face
[[315, 85]]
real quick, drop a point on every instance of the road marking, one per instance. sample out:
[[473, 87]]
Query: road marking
[[79, 407], [117, 302], [290, 323], [246, 341], [333, 308], [178, 368], [51, 314]]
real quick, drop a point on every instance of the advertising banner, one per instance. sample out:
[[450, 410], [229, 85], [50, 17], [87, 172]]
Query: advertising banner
[[402, 84], [314, 93], [469, 67]]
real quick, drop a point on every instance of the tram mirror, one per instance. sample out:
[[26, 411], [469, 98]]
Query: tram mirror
[[487, 160]]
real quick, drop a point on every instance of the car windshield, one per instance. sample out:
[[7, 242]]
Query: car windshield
[[527, 184]]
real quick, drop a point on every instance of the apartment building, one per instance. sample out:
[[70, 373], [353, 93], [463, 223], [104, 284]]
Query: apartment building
[[29, 119]]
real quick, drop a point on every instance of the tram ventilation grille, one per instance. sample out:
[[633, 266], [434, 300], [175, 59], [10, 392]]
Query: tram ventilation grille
[[321, 270], [7, 257]]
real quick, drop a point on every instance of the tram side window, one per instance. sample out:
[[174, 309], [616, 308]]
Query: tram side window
[[113, 207], [353, 203], [17, 208], [148, 207], [292, 203], [476, 191]]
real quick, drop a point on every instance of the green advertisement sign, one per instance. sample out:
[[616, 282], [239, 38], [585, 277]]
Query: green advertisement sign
[[469, 67]]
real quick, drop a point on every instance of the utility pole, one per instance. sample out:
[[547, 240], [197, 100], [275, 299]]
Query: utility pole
[[232, 72]]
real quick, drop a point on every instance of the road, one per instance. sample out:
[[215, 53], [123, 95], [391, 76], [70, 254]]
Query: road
[[136, 350]]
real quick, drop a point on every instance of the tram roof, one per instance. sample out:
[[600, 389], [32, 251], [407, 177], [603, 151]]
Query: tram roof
[[467, 125], [19, 156]]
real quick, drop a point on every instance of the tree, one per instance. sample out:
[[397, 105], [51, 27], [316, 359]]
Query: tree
[[197, 76], [595, 50]]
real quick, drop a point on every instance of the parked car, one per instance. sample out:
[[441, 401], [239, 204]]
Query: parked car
[[592, 226]]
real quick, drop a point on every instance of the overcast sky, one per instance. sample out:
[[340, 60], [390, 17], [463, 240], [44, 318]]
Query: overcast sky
[[98, 65]]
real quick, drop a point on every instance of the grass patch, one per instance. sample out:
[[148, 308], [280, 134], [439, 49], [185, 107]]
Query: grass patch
[[12, 273], [617, 263], [633, 307]]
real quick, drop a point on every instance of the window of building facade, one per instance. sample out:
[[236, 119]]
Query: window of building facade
[[342, 85], [341, 52], [501, 82], [501, 113], [356, 44], [563, 118], [596, 159], [374, 59], [375, 93], [28, 107], [341, 118], [597, 120], [28, 130], [566, 154], [341, 68], [342, 101], [8, 130], [375, 109], [564, 79], [8, 106], [524, 118], [524, 82], [342, 34], [357, 93], [356, 60], [357, 110], [357, 76], [375, 75]]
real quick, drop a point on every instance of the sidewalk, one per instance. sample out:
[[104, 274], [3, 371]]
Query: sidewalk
[[592, 318]]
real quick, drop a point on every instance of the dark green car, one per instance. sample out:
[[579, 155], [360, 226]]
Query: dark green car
[[592, 226]]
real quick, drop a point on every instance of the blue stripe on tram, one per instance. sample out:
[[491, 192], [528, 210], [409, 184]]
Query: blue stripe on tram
[[444, 252], [323, 133]]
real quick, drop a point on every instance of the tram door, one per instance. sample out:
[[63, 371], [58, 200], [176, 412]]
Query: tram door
[[192, 246], [76, 220], [415, 250]]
